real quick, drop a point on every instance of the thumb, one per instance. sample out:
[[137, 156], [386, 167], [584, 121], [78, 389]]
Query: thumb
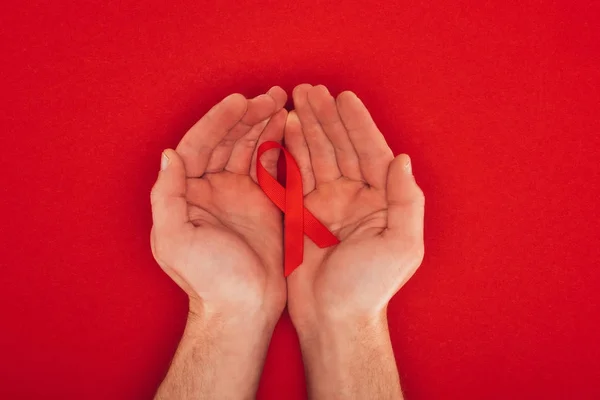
[[169, 205], [406, 202]]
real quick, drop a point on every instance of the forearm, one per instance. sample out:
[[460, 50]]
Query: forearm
[[350, 360], [218, 359]]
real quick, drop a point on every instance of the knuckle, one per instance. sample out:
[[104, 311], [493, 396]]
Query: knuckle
[[419, 196], [154, 195]]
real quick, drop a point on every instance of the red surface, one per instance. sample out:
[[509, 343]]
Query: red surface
[[497, 103]]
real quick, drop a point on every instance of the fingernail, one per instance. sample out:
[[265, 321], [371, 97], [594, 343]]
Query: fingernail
[[408, 165], [323, 88], [293, 117], [164, 161]]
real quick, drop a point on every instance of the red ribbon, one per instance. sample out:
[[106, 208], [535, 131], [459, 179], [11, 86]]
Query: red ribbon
[[290, 200]]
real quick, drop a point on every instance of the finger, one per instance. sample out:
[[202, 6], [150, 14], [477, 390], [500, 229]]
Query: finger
[[322, 153], [243, 150], [197, 145], [272, 132], [279, 96], [245, 147], [259, 108], [406, 203], [324, 107], [374, 155], [296, 145], [169, 205]]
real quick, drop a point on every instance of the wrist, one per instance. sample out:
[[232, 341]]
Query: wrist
[[342, 329], [229, 323], [314, 318], [261, 304]]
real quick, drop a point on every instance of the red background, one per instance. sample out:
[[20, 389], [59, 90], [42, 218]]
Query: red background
[[497, 104]]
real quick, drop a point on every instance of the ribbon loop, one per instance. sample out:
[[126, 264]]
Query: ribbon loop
[[290, 200]]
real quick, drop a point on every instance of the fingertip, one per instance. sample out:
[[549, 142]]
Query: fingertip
[[170, 175], [321, 89], [292, 118], [293, 128], [347, 96], [402, 186], [318, 97], [279, 96], [235, 98], [171, 164], [264, 102], [408, 165], [164, 160], [167, 157], [172, 156], [168, 152], [300, 89], [403, 160], [236, 101], [397, 169], [318, 92], [274, 90]]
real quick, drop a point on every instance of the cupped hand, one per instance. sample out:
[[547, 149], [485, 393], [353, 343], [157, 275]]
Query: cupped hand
[[215, 233], [366, 197]]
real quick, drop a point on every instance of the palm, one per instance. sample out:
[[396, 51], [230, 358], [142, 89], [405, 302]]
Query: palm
[[349, 208], [237, 224], [348, 188], [355, 213]]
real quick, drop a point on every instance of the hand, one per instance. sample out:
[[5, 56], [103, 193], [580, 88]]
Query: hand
[[215, 233], [365, 196]]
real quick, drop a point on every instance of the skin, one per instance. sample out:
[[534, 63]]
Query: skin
[[338, 297], [219, 238], [217, 235]]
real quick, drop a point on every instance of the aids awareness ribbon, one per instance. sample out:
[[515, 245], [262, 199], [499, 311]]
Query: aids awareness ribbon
[[290, 199]]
